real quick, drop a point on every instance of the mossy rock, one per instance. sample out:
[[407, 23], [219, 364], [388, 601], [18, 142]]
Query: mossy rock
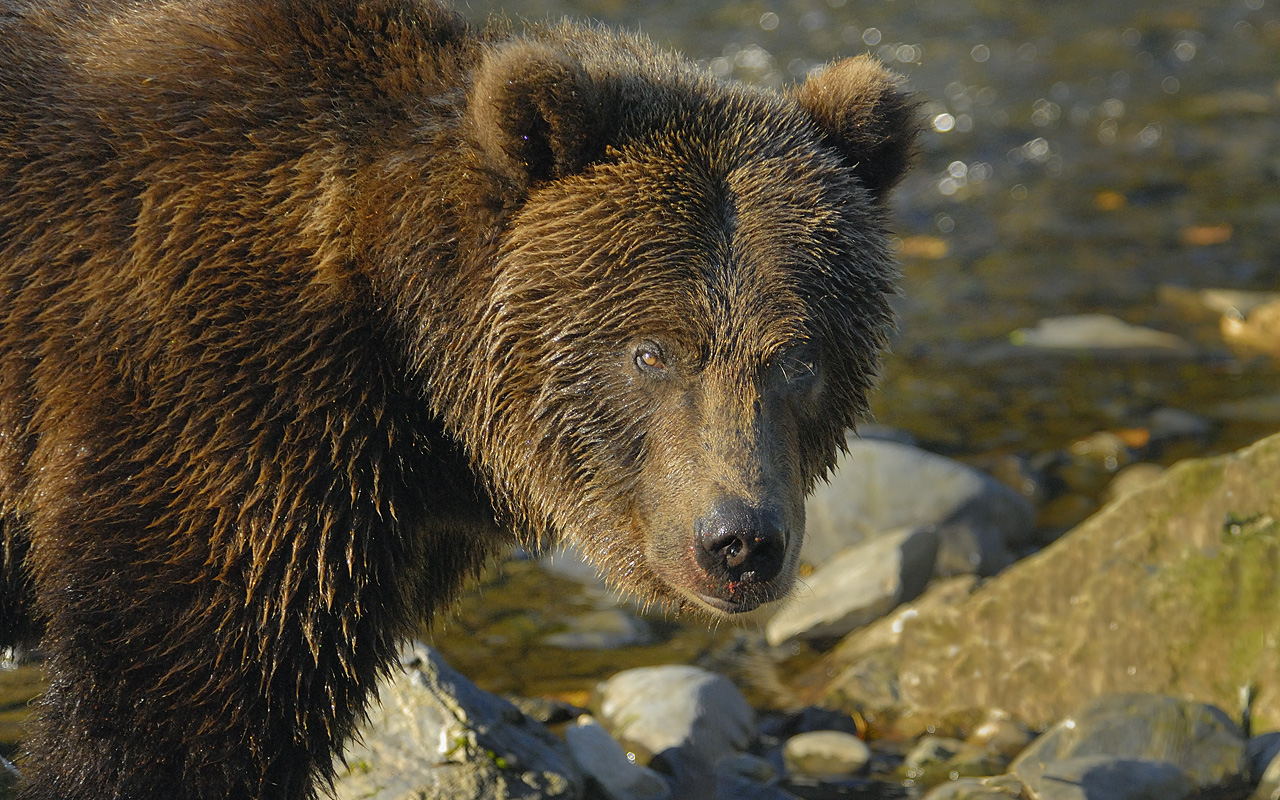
[[1172, 589]]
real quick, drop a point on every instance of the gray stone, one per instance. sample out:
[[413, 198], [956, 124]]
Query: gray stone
[[1152, 594], [746, 777], [880, 486], [605, 629], [1266, 767], [826, 754], [683, 718], [858, 586], [1194, 738], [606, 767], [434, 735], [1096, 332], [1261, 751], [1104, 777], [1174, 423]]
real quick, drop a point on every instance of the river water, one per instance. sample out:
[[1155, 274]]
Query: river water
[[1094, 156]]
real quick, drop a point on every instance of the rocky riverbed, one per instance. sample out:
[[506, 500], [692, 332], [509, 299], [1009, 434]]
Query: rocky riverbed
[[1133, 657]]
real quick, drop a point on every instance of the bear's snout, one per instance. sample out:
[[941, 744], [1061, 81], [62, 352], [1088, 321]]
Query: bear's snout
[[739, 544]]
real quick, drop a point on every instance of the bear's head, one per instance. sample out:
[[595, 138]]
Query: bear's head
[[686, 308]]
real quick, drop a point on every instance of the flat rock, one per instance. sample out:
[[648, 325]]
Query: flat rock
[[1096, 332], [857, 586]]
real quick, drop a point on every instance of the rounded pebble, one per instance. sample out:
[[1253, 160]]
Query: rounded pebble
[[826, 754]]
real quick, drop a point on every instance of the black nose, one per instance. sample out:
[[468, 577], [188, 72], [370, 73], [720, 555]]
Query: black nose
[[739, 542]]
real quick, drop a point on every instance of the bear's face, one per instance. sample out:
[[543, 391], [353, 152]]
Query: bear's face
[[679, 331]]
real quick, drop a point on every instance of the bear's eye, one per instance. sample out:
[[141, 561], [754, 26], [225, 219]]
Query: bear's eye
[[649, 359], [799, 366]]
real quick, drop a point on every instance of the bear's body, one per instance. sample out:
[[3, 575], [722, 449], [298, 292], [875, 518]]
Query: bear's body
[[306, 303]]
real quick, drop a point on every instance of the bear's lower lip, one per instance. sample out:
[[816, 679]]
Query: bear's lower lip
[[728, 606]]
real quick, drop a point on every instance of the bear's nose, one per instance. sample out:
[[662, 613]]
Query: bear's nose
[[740, 542]]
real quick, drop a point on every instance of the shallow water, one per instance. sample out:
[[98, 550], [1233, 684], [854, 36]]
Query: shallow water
[[1079, 157]]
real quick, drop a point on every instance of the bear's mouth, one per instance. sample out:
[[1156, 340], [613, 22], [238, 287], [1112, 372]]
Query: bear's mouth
[[741, 595], [737, 606]]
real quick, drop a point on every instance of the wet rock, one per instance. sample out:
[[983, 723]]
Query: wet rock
[[1259, 330], [1132, 478], [1104, 777], [746, 777], [1269, 782], [826, 754], [857, 586], [681, 719], [1097, 332], [1194, 738], [1174, 423], [937, 758], [1001, 788], [609, 774], [999, 733], [880, 486], [605, 629], [1261, 752], [434, 734], [1170, 589]]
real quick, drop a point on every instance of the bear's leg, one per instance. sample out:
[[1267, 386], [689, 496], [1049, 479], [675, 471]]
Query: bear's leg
[[164, 686], [17, 628]]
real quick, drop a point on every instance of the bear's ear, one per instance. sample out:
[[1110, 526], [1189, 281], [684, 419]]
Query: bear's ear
[[534, 113], [866, 115]]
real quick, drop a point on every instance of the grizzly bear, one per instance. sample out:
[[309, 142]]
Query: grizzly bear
[[309, 306]]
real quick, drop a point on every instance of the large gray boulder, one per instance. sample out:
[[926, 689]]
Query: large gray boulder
[[1170, 589], [435, 735], [881, 486]]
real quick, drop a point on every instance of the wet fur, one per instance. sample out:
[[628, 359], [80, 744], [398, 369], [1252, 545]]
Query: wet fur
[[305, 306]]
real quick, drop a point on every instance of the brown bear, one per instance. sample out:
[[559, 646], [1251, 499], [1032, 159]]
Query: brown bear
[[308, 306]]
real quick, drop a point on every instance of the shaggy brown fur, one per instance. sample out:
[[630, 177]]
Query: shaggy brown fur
[[307, 302]]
